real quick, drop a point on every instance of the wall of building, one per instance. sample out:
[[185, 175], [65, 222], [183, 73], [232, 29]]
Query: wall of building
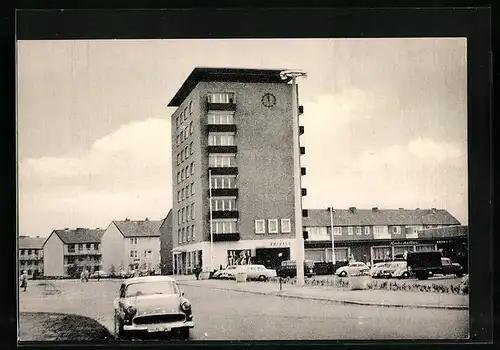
[[53, 260], [112, 249], [166, 245], [31, 262], [143, 244]]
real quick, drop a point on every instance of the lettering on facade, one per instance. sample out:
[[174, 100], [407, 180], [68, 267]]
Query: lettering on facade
[[404, 243], [279, 244]]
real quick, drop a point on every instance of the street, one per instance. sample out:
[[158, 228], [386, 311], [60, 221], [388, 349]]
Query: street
[[230, 315]]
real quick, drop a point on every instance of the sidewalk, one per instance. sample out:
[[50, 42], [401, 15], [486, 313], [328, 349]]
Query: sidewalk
[[359, 297]]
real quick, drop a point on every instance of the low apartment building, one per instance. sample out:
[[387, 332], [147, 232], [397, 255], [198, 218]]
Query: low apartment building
[[31, 255], [374, 235], [129, 245], [69, 252]]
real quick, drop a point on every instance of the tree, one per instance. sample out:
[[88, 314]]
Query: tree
[[112, 270]]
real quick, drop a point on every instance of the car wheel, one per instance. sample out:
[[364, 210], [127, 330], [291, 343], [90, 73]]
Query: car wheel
[[343, 274], [459, 274], [262, 278], [405, 275], [184, 333], [122, 334]]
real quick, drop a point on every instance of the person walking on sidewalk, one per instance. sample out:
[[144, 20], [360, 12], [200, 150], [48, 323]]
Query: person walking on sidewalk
[[197, 271], [24, 280]]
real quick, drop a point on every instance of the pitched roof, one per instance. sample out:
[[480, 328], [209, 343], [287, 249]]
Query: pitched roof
[[26, 242], [371, 217], [80, 235], [141, 228], [240, 75], [444, 232]]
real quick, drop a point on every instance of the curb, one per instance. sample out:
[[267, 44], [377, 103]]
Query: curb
[[351, 302]]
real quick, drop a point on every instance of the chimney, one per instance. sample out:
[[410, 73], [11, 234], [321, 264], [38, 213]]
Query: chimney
[[352, 209], [66, 229], [433, 210], [401, 208], [146, 219], [127, 219], [375, 209], [417, 208]]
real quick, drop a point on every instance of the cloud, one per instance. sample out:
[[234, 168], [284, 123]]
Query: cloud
[[125, 173]]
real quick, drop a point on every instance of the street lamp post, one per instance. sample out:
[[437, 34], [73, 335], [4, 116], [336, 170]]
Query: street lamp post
[[333, 239], [299, 238]]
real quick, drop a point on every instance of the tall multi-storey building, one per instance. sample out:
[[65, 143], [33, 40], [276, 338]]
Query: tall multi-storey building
[[234, 127], [31, 255]]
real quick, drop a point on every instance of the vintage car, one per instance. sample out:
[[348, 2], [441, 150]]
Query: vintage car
[[100, 274], [255, 272], [151, 304], [226, 273], [354, 268], [376, 269], [395, 269]]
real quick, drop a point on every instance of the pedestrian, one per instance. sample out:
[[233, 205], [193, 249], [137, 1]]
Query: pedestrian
[[197, 271], [24, 280], [82, 276], [86, 275], [98, 276]]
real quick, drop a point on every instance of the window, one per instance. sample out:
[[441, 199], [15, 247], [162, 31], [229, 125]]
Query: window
[[29, 251], [191, 168], [182, 156], [183, 194], [191, 148], [223, 181], [272, 225], [286, 226], [179, 217], [222, 160], [186, 152], [191, 128], [35, 263], [367, 230], [185, 133], [131, 241], [337, 231], [350, 230], [96, 246], [381, 232], [135, 253], [190, 107], [188, 238], [177, 122], [179, 236], [224, 226], [183, 215], [80, 247], [179, 197], [187, 191], [260, 226], [193, 232], [192, 188], [220, 118], [71, 248], [183, 235], [181, 118], [358, 230], [396, 230], [22, 251], [221, 139], [192, 211], [131, 253], [224, 204], [188, 214], [35, 252], [221, 97], [178, 177], [188, 172], [183, 174], [178, 140]]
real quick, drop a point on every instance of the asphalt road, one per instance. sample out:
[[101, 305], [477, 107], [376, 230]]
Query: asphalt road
[[228, 315]]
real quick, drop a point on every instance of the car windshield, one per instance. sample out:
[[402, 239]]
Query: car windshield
[[148, 288]]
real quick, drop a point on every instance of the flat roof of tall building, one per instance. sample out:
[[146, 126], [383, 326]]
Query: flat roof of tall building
[[238, 75]]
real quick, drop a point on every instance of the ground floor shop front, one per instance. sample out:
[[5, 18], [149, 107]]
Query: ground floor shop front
[[387, 250], [269, 253]]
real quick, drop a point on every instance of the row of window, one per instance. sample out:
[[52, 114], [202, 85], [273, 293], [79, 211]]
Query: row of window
[[224, 226], [185, 173], [185, 192], [184, 134], [223, 181], [185, 214], [360, 230], [272, 226], [221, 97], [222, 160], [133, 253], [221, 139], [185, 153], [29, 251], [72, 259], [29, 262], [220, 118], [182, 117], [186, 234], [71, 247], [224, 204]]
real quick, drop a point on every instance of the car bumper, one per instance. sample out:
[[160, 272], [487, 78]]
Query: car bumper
[[159, 327]]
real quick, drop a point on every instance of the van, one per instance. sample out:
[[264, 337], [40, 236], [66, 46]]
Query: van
[[288, 268]]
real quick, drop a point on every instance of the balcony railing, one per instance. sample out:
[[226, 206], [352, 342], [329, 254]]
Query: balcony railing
[[224, 214], [222, 149], [83, 252], [222, 192], [221, 128], [231, 106], [224, 170], [226, 237]]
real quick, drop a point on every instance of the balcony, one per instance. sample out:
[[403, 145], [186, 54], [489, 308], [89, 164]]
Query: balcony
[[221, 128], [302, 171], [222, 149], [301, 110], [30, 257], [224, 214], [82, 252], [231, 106], [304, 192], [224, 170], [302, 150], [226, 237], [223, 192], [301, 130]]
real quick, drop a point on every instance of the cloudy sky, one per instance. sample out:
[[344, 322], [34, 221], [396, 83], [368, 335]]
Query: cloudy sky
[[385, 123]]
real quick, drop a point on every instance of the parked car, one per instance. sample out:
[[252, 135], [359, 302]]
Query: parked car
[[395, 269], [376, 269], [100, 273], [255, 272], [426, 264], [354, 268], [151, 304], [227, 273], [288, 268]]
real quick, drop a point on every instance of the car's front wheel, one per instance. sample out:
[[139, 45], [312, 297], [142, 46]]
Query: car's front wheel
[[343, 274], [184, 333], [405, 275]]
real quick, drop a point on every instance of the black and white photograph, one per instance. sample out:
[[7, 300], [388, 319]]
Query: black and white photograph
[[242, 189]]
